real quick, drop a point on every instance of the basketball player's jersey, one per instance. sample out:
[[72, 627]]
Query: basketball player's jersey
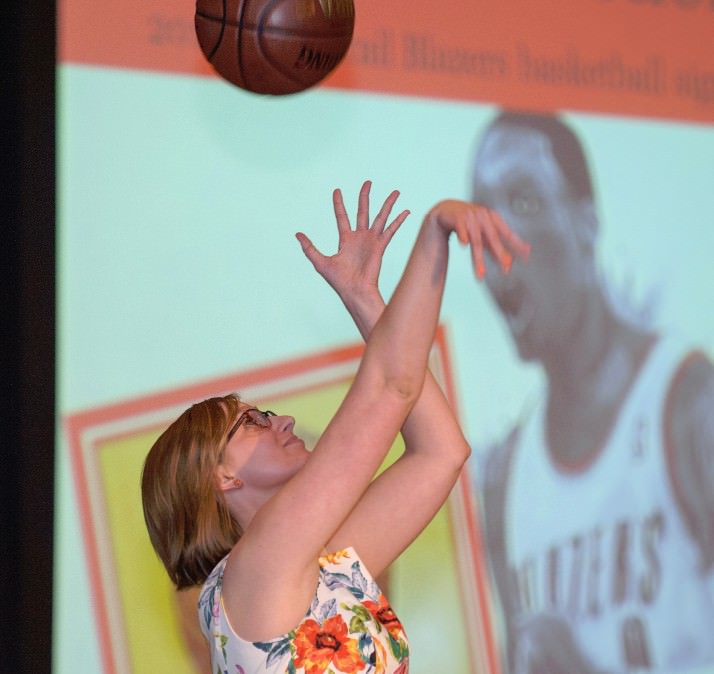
[[606, 547]]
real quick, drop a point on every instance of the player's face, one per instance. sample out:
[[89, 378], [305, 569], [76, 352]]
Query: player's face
[[263, 451], [516, 174]]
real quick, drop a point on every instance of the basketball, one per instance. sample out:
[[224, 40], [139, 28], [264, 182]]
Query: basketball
[[274, 47]]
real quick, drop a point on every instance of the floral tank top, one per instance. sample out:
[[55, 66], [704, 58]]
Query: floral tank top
[[349, 628]]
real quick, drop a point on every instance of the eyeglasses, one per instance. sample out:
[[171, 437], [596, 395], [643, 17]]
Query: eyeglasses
[[252, 417]]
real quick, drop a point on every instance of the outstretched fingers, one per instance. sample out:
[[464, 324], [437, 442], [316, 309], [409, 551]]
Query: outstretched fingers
[[343, 220], [363, 205], [311, 253], [379, 225], [380, 220], [394, 225]]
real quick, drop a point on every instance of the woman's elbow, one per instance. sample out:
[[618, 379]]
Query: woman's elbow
[[460, 452], [405, 387]]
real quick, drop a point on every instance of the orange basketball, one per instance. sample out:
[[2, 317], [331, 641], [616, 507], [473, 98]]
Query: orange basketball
[[274, 46]]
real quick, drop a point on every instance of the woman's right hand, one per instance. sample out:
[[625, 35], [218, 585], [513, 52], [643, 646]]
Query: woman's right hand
[[354, 268], [481, 228]]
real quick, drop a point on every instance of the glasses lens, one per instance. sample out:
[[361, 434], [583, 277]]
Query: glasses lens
[[252, 417], [260, 418]]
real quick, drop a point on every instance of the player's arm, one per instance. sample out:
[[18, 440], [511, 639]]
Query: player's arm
[[492, 486], [691, 440]]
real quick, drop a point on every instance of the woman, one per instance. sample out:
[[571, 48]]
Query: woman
[[287, 542]]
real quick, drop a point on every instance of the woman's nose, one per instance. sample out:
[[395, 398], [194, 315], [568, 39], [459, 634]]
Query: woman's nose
[[284, 422]]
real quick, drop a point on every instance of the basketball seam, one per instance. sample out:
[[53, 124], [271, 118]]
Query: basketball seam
[[239, 39], [220, 33], [273, 30], [259, 28]]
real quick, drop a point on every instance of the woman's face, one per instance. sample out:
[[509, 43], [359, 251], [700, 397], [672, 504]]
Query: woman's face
[[262, 450]]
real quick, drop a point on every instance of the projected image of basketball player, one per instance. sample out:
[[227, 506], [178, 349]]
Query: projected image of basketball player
[[599, 505]]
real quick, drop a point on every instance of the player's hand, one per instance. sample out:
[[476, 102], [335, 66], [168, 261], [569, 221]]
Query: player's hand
[[481, 228], [545, 644], [355, 267]]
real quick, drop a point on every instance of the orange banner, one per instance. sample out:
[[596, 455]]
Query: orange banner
[[652, 58]]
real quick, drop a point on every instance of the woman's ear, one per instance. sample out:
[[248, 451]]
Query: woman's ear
[[225, 481]]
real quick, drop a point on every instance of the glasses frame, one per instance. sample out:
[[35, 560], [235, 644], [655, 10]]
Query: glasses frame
[[254, 417]]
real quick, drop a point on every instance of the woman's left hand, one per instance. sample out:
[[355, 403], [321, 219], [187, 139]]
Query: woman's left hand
[[481, 228], [354, 268]]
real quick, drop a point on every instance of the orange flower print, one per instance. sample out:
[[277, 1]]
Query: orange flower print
[[319, 646], [333, 557], [385, 614]]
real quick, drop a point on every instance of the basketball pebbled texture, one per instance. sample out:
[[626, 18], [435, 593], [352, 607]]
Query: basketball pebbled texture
[[274, 46]]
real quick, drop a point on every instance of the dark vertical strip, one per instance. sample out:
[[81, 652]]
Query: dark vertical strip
[[27, 288]]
